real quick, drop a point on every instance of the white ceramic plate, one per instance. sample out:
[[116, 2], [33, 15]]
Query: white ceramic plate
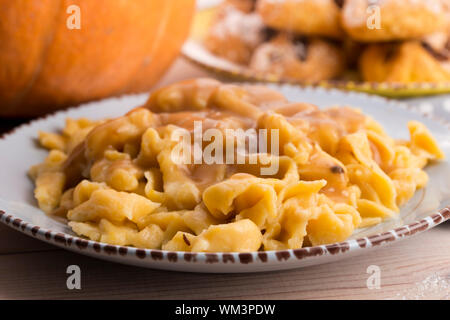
[[19, 150]]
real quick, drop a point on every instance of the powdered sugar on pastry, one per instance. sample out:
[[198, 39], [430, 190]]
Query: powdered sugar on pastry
[[236, 23]]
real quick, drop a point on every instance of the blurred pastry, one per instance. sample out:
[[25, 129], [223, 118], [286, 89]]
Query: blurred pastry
[[307, 17], [299, 58], [389, 20], [410, 61], [313, 40], [246, 6], [236, 32]]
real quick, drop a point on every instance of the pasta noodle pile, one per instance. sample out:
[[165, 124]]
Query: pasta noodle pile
[[116, 181]]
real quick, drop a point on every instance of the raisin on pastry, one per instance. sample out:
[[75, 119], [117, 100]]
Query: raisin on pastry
[[299, 58]]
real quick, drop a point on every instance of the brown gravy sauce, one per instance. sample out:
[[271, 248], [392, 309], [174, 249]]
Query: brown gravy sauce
[[221, 107]]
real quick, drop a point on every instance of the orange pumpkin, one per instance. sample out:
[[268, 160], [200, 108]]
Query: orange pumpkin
[[122, 46]]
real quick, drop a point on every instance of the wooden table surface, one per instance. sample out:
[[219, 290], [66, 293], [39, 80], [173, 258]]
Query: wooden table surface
[[417, 268]]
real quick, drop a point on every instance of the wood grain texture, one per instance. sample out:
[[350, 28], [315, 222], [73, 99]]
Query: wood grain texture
[[411, 269], [417, 268]]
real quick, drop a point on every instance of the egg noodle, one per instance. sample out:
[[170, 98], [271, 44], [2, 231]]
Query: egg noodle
[[334, 170]]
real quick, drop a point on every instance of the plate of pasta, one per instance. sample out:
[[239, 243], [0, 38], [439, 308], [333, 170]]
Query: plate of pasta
[[204, 176]]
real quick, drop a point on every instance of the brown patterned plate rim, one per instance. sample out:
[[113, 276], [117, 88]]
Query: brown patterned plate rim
[[74, 242]]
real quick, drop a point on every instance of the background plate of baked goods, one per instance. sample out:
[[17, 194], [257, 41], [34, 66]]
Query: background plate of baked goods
[[426, 209], [230, 38]]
